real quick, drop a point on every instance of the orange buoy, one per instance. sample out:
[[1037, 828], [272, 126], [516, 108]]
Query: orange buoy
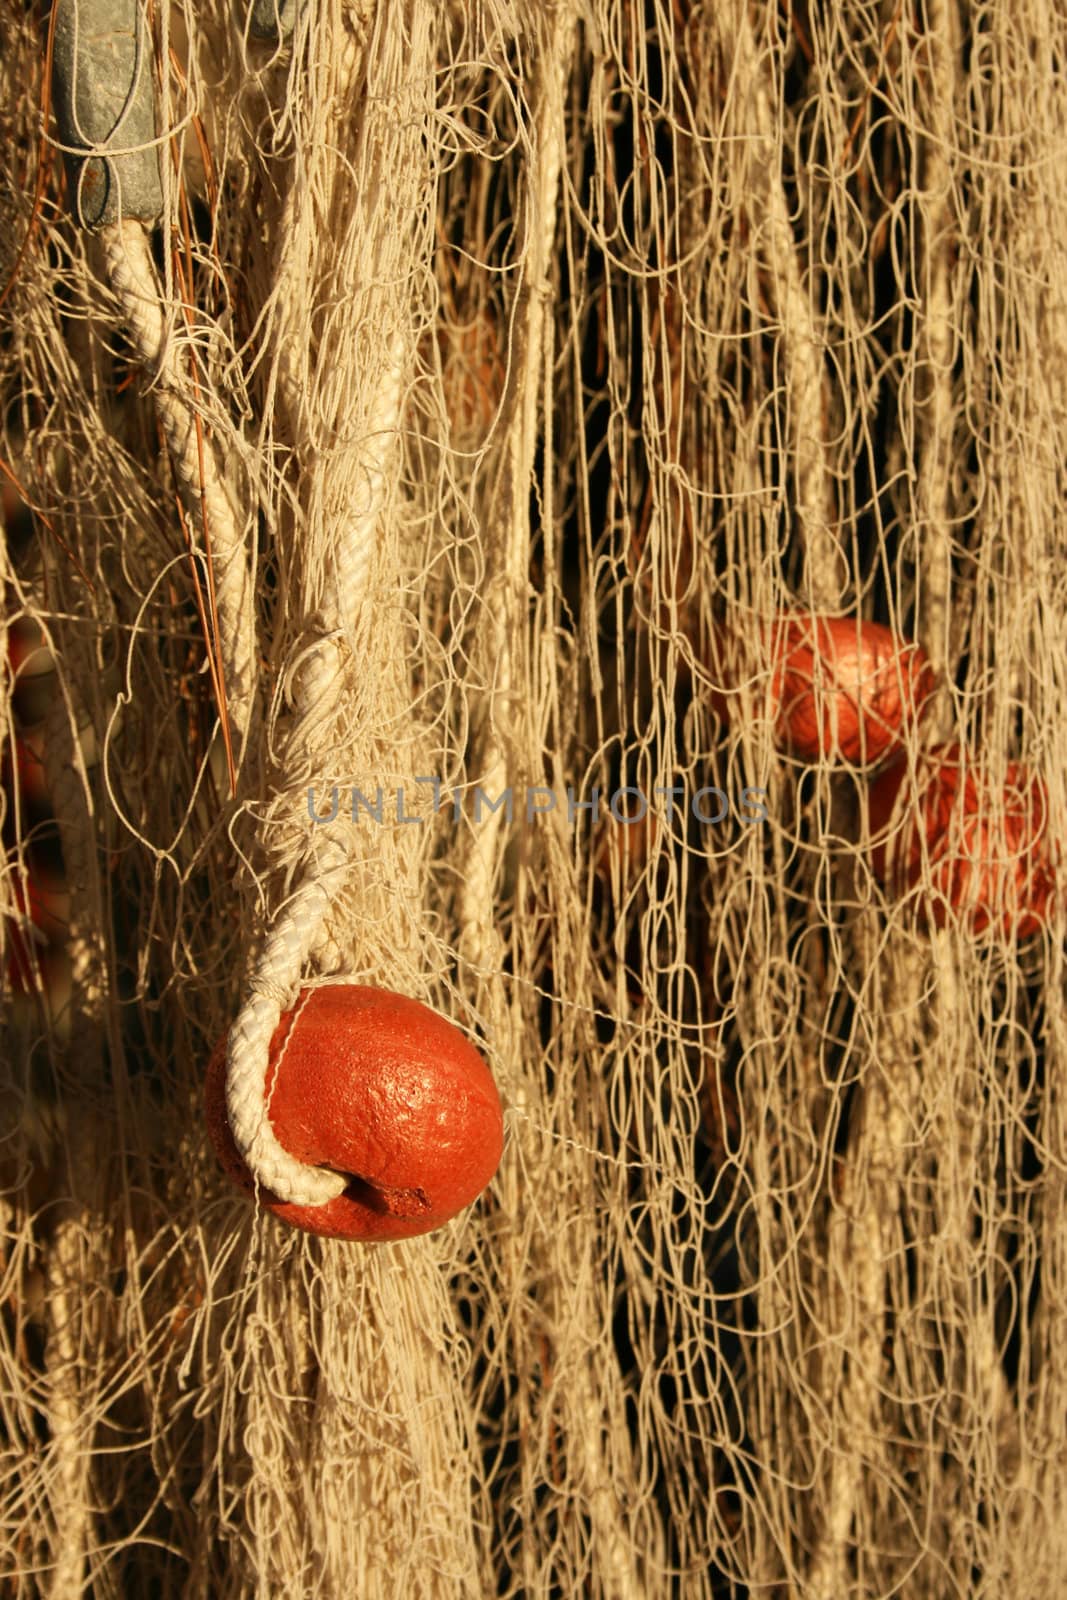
[[842, 688], [22, 769], [32, 669], [40, 924], [977, 872], [379, 1086], [845, 687]]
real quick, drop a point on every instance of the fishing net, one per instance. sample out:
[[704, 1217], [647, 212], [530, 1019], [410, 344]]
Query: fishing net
[[446, 412]]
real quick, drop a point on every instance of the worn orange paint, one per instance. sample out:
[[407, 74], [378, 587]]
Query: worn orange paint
[[977, 872], [841, 688], [379, 1086]]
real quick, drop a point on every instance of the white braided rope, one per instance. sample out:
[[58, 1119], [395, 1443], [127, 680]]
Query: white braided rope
[[359, 540], [273, 990], [298, 228], [78, 1242], [347, 506], [801, 347], [133, 278], [478, 937], [863, 1239], [935, 467], [299, 930], [69, 1331], [67, 736]]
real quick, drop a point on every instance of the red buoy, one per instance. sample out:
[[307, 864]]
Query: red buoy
[[32, 669], [22, 768], [841, 689], [40, 925], [378, 1086], [980, 871], [845, 687]]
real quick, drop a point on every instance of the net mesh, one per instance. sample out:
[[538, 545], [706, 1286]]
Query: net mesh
[[516, 367]]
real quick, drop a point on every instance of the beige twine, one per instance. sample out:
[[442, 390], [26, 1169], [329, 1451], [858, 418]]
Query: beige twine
[[536, 351]]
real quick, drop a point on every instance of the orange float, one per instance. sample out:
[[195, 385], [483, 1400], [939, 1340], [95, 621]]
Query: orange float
[[22, 768], [842, 688], [39, 925], [978, 871], [32, 669], [377, 1085]]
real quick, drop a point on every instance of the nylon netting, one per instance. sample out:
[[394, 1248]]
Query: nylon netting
[[493, 376]]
